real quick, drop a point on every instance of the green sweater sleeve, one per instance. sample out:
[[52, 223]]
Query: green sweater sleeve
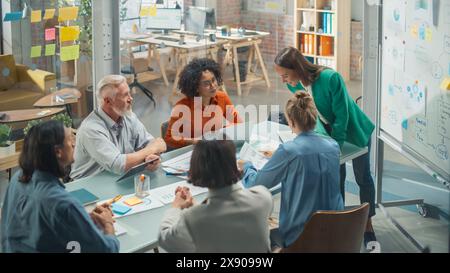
[[340, 109]]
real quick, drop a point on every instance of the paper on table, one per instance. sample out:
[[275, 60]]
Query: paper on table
[[248, 153], [119, 229], [178, 164], [49, 14], [68, 13], [69, 53], [70, 33], [148, 203], [36, 16], [286, 136], [166, 194]]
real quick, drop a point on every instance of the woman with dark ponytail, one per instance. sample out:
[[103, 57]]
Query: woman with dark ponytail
[[307, 167], [342, 118]]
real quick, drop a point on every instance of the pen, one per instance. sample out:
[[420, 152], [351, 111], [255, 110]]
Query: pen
[[182, 174], [115, 199]]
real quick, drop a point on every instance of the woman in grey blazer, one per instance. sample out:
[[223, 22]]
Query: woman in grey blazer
[[231, 219]]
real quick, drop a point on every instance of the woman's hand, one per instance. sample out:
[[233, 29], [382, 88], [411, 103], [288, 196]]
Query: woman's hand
[[240, 165], [183, 198]]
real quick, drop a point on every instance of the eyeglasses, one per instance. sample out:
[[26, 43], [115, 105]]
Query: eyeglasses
[[212, 82]]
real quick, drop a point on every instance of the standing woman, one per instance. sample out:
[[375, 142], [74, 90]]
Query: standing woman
[[342, 118]]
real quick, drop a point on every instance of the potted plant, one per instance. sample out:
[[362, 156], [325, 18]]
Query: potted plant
[[7, 147], [65, 118], [31, 124]]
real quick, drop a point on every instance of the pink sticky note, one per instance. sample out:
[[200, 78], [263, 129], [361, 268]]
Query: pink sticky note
[[50, 34]]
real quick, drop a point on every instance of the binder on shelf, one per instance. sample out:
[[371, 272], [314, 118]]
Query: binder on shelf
[[326, 45], [306, 40], [329, 25], [324, 22]]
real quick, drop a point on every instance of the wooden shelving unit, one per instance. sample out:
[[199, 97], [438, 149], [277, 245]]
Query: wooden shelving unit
[[331, 49]]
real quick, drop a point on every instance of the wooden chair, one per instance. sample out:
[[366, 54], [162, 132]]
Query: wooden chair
[[332, 232]]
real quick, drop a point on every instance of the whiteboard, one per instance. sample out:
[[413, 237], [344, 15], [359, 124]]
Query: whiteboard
[[415, 60]]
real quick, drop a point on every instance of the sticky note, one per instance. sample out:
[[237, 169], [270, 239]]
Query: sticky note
[[49, 14], [428, 35], [35, 51], [414, 31], [50, 49], [69, 33], [13, 16], [120, 209], [68, 13], [50, 34], [36, 16], [145, 11], [133, 201], [153, 10], [445, 85], [69, 53]]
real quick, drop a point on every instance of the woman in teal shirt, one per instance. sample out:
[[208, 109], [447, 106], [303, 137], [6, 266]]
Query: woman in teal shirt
[[342, 118]]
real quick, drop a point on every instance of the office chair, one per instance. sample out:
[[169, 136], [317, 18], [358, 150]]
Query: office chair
[[332, 232], [131, 69]]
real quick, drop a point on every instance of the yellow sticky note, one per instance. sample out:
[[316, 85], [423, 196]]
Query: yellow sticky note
[[133, 201], [414, 31], [153, 11], [49, 14], [445, 85], [67, 14], [69, 33], [145, 11], [50, 49], [69, 53], [36, 16], [272, 6], [428, 35], [35, 51]]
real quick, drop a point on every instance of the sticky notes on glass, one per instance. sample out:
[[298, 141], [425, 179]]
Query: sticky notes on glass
[[153, 11], [50, 49], [70, 33], [120, 209], [35, 51], [69, 53], [445, 85], [13, 16], [68, 13], [414, 32], [49, 14], [145, 11], [36, 16], [428, 35], [50, 34], [133, 201]]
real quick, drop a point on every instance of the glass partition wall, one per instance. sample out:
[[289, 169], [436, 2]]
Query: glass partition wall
[[53, 40]]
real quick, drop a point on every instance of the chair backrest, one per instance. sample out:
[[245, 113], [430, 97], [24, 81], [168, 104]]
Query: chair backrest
[[332, 232], [164, 127]]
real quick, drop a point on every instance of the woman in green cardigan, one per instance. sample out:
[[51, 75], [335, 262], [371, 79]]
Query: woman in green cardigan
[[342, 118]]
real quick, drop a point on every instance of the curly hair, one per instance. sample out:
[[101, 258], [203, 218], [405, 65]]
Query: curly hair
[[192, 73]]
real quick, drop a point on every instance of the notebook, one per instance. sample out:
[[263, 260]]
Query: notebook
[[84, 196]]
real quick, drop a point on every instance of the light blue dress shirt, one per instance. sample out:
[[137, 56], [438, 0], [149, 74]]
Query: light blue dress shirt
[[41, 216], [308, 169]]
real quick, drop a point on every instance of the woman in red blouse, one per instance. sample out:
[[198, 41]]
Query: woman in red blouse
[[204, 109]]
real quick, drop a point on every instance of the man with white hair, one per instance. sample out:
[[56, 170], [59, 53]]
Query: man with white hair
[[112, 138]]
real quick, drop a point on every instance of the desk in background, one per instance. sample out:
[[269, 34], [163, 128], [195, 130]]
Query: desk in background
[[142, 228]]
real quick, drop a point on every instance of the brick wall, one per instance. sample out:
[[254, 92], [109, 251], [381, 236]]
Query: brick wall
[[280, 26], [356, 50]]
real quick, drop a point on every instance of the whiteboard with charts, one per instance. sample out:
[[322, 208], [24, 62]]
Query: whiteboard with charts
[[415, 104]]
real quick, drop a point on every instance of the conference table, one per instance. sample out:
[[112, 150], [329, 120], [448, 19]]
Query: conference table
[[142, 228]]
